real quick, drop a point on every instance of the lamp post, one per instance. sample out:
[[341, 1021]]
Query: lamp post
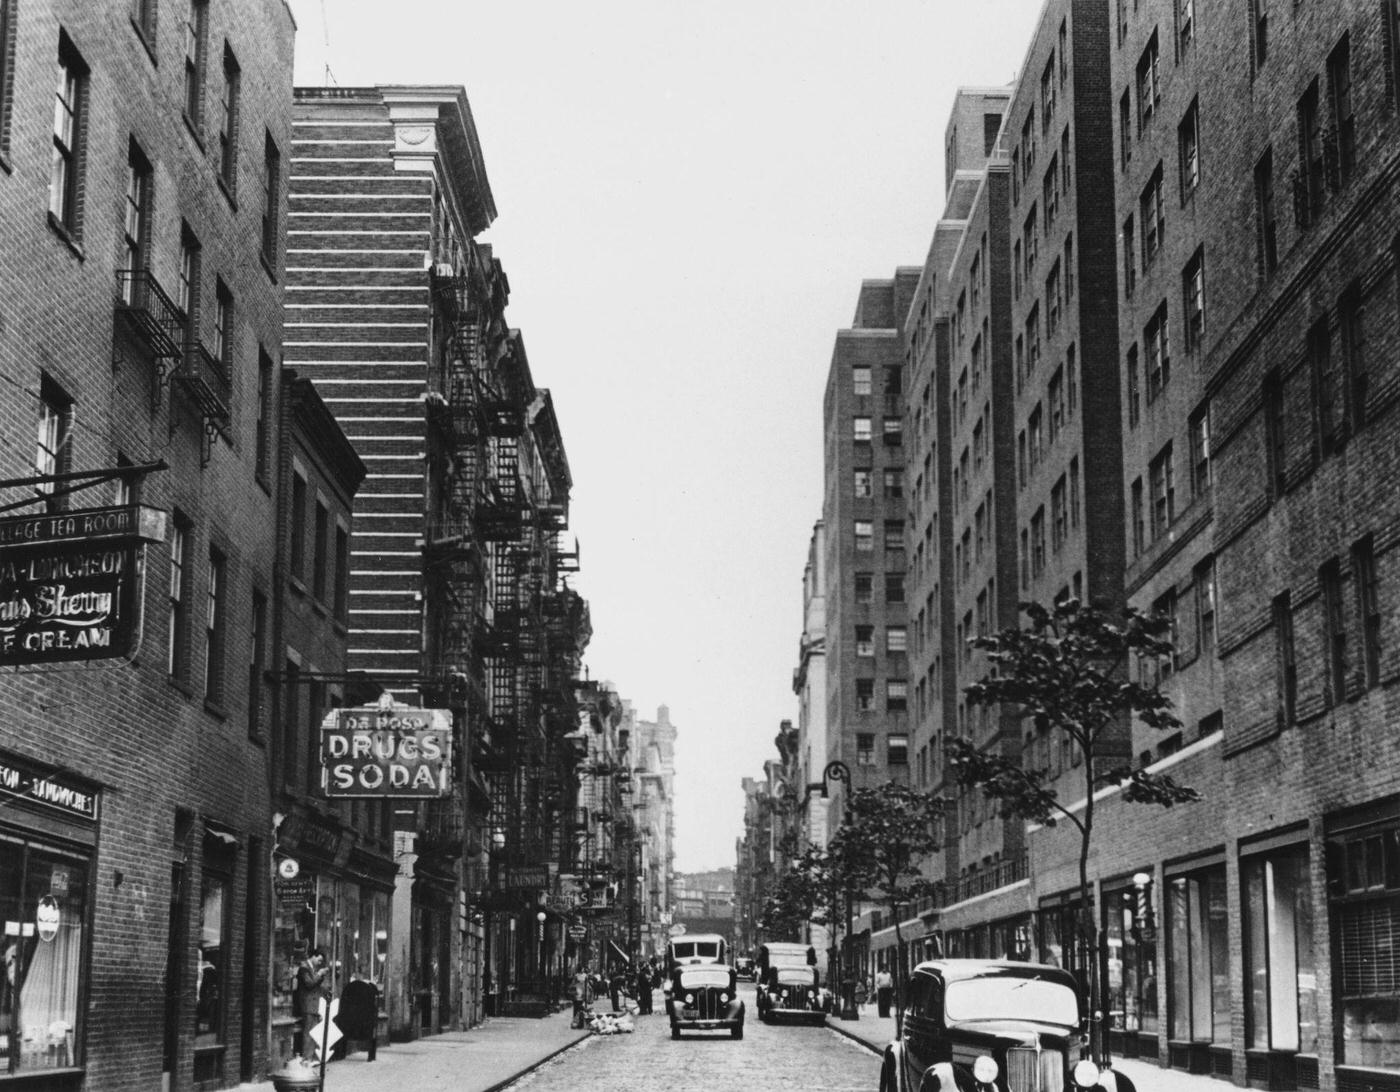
[[541, 917], [837, 770]]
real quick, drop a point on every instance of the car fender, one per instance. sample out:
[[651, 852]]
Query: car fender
[[941, 1077], [893, 1062], [1110, 1080]]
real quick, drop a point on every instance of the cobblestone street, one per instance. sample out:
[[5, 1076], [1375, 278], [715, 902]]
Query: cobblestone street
[[771, 1057]]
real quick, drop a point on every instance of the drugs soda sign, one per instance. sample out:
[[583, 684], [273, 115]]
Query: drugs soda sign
[[399, 752]]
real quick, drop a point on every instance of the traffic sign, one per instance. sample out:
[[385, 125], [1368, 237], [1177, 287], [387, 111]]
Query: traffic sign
[[327, 1011]]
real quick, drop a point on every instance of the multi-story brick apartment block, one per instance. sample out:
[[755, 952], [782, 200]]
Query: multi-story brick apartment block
[[458, 591], [655, 788], [142, 198], [863, 511], [815, 746]]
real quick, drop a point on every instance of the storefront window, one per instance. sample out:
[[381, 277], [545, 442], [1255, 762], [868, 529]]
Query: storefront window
[[1198, 956], [1059, 944], [1280, 971], [213, 963], [42, 905], [1132, 966], [1363, 877]]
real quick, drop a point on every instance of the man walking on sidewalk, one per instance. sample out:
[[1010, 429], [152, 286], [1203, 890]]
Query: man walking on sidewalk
[[884, 990]]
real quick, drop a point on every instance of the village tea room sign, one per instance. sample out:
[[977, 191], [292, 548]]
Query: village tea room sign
[[391, 750], [68, 585]]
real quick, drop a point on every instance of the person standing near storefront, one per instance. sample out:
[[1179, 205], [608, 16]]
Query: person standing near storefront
[[884, 990], [312, 986]]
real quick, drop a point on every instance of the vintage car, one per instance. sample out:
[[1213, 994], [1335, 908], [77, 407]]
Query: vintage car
[[697, 948], [744, 967], [789, 986], [975, 1025], [704, 997]]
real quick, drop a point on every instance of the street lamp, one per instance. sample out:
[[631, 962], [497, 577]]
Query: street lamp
[[837, 770], [541, 917]]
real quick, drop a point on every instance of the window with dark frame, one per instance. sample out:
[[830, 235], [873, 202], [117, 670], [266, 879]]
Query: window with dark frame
[[1139, 526], [1193, 300], [1153, 213], [342, 573], [1368, 610], [1188, 146], [865, 741], [263, 426], [897, 749], [1148, 88], [1259, 33], [195, 50], [1351, 323], [143, 14], [1198, 427], [228, 122], [865, 640], [8, 10], [320, 546], [297, 558], [53, 452], [272, 199], [1162, 488], [257, 653], [896, 695], [136, 225], [214, 626], [1329, 578], [187, 285], [1285, 659], [1308, 185], [69, 137], [1158, 363], [1343, 134], [177, 601], [1204, 583], [1129, 258]]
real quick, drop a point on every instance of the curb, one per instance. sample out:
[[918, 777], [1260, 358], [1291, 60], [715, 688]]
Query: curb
[[535, 1064], [841, 1029]]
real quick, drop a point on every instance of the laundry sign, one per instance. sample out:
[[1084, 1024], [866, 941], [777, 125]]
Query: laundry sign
[[383, 751]]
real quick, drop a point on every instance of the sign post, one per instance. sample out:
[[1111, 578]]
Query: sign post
[[326, 1033]]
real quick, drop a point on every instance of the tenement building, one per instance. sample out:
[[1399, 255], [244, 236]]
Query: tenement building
[[142, 196], [1204, 245]]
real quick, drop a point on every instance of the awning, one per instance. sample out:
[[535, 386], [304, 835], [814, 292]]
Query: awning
[[620, 953]]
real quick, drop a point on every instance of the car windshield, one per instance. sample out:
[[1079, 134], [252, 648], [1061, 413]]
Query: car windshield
[[795, 976], [694, 979], [1006, 998], [696, 950]]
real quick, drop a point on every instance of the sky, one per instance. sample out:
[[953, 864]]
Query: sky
[[688, 197]]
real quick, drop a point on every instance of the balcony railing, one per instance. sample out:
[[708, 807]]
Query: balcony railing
[[150, 317], [204, 380]]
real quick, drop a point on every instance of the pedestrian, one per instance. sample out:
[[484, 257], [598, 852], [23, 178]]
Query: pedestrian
[[617, 986], [643, 990], [583, 996], [358, 1017], [884, 991], [311, 987]]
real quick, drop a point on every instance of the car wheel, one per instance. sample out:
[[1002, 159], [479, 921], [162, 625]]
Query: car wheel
[[675, 1031], [887, 1081], [737, 1031]]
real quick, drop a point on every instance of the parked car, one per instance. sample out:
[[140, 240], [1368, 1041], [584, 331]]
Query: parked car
[[789, 986], [704, 997], [974, 1025], [744, 968]]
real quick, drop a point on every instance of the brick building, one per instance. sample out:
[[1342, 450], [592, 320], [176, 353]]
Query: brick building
[[140, 325]]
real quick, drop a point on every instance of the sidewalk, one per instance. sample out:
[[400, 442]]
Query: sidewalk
[[482, 1059], [874, 1032]]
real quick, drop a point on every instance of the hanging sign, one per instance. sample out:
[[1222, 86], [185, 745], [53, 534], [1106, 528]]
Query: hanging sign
[[382, 752], [68, 586]]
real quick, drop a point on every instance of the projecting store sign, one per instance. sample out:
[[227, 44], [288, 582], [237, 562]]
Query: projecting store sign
[[396, 751], [67, 586]]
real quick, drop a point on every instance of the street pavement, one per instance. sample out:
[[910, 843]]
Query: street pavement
[[875, 1032]]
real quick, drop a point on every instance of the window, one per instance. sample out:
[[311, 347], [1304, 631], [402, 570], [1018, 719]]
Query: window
[[1266, 220], [865, 640], [896, 695], [136, 229], [1059, 515], [289, 725], [1025, 560], [1125, 130], [865, 741], [1351, 320], [272, 199], [865, 587], [1276, 461], [1052, 299], [1139, 527], [1188, 146], [1193, 300], [1185, 23], [894, 430], [69, 137], [1066, 173], [1199, 428], [1198, 956], [1163, 492], [342, 573], [195, 52], [896, 639], [894, 587], [1363, 882], [1204, 584], [1329, 578], [1329, 399], [1069, 267], [1280, 965], [1129, 258], [863, 483], [1391, 15], [1074, 495], [143, 14], [297, 560], [1071, 382], [223, 326], [1057, 403], [1307, 195], [37, 878], [263, 425], [177, 612], [1343, 117], [1153, 218], [1022, 467], [1368, 611], [897, 749], [1134, 388], [894, 484], [1031, 236], [1050, 192], [1148, 91], [1047, 93], [228, 123], [1166, 605], [257, 640], [1154, 338], [53, 453], [7, 71], [979, 447], [1259, 36], [1285, 657], [187, 290], [1033, 339], [214, 923], [214, 629], [1038, 542], [321, 560], [860, 429], [860, 380], [1036, 436]]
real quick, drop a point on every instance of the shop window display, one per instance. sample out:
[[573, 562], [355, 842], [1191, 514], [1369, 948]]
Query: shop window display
[[1363, 878], [1198, 957], [42, 907]]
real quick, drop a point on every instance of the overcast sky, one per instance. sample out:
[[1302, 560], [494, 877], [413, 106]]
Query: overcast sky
[[689, 195]]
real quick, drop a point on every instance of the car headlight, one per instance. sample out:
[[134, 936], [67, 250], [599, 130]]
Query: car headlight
[[723, 998], [984, 1070], [690, 999], [1085, 1073]]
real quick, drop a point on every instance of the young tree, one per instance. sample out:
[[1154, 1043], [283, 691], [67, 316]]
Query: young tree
[[1067, 671], [812, 891], [887, 834]]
